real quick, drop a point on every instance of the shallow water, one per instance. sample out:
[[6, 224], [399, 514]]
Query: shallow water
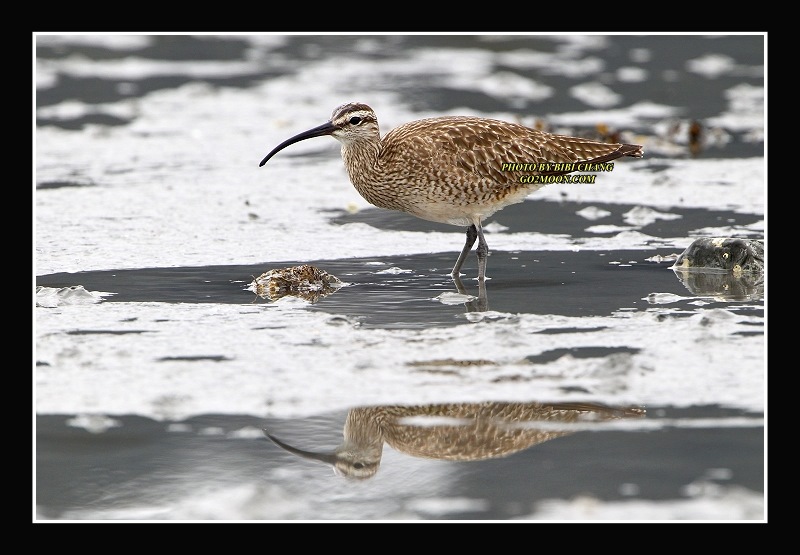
[[158, 367]]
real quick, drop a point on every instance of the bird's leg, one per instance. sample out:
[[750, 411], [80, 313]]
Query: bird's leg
[[472, 234], [482, 251]]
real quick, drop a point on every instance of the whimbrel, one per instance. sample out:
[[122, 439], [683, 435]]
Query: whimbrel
[[456, 169]]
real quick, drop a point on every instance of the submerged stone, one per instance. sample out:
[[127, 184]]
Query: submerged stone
[[305, 281], [725, 267]]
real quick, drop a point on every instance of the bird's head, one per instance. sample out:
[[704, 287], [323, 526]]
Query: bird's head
[[349, 123]]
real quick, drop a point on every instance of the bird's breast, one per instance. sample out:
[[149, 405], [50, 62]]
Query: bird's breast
[[444, 193], [461, 204]]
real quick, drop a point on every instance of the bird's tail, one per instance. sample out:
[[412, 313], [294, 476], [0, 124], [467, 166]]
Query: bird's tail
[[637, 151]]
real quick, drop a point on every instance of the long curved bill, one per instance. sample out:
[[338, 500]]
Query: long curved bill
[[324, 457], [324, 129]]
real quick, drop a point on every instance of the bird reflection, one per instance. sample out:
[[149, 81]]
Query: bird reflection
[[479, 304], [452, 432]]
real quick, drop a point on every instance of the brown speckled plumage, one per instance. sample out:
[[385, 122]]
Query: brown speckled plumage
[[450, 169]]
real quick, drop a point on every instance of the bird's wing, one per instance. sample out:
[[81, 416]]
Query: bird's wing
[[493, 149]]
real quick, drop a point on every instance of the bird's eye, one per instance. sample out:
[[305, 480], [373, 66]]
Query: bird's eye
[[358, 465], [355, 120]]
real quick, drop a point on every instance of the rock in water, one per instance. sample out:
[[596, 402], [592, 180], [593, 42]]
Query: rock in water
[[726, 267], [305, 281]]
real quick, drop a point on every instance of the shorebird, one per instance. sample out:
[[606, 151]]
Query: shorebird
[[455, 169]]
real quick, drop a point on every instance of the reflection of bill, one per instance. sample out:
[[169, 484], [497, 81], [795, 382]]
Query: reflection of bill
[[727, 268], [452, 432]]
